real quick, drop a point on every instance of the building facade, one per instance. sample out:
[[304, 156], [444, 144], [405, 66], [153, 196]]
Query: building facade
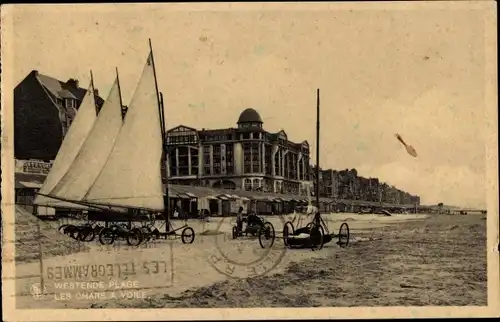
[[243, 158], [44, 108], [347, 185]]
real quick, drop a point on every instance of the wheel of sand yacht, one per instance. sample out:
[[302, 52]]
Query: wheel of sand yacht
[[343, 235], [97, 230], [62, 227], [288, 230], [134, 237], [147, 233], [71, 231], [86, 234], [316, 234], [106, 236], [187, 235], [266, 235], [235, 232]]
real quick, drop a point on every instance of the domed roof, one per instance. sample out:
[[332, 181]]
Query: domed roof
[[249, 116]]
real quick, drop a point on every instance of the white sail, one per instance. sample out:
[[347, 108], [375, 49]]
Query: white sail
[[131, 176], [94, 153], [71, 145]]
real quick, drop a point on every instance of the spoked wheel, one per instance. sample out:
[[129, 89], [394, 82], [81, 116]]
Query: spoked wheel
[[62, 228], [106, 236], [266, 235], [147, 233], [187, 235], [316, 234], [343, 235], [86, 234], [235, 232], [68, 230], [97, 230], [288, 230], [72, 231], [134, 237]]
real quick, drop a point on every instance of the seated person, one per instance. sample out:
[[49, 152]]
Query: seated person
[[254, 220]]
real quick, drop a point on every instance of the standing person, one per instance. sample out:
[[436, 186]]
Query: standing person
[[239, 219], [183, 215]]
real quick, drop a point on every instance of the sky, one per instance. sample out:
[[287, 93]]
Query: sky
[[419, 73]]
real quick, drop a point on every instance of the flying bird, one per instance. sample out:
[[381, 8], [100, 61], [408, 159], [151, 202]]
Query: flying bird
[[411, 151]]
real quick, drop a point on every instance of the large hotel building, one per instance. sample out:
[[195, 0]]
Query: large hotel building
[[243, 158]]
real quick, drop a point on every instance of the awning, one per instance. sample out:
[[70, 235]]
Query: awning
[[28, 184], [223, 197], [262, 198], [186, 195], [171, 194], [244, 198]]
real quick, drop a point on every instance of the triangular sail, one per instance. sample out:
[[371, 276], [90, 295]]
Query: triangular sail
[[131, 176], [95, 151], [71, 145]]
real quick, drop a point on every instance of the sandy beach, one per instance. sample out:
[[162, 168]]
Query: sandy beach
[[398, 260]]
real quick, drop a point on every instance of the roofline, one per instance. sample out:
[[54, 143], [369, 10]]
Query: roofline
[[47, 93]]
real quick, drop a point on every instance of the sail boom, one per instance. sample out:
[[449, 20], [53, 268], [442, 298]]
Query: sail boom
[[115, 206], [67, 204]]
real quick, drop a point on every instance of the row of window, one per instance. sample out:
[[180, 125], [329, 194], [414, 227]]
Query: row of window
[[67, 102], [266, 185], [182, 139], [191, 138], [215, 138], [222, 159], [219, 159]]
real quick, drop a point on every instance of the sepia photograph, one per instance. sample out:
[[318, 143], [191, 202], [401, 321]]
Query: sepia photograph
[[249, 160]]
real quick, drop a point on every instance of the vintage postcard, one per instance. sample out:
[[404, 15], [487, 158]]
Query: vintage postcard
[[249, 161]]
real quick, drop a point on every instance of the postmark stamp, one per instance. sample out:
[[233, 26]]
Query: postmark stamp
[[244, 257]]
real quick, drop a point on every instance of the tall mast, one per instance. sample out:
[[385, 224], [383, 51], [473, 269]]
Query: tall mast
[[156, 82], [317, 149], [162, 130], [119, 90], [165, 157], [93, 91]]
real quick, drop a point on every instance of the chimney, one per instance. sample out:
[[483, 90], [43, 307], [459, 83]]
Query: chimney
[[96, 92], [35, 72], [73, 82]]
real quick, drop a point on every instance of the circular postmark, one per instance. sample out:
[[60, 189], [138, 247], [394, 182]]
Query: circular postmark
[[38, 291], [243, 256]]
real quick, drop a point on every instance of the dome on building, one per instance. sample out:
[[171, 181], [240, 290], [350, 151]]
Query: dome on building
[[249, 116]]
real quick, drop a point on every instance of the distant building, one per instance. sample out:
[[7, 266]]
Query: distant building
[[44, 108], [347, 185], [244, 158]]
